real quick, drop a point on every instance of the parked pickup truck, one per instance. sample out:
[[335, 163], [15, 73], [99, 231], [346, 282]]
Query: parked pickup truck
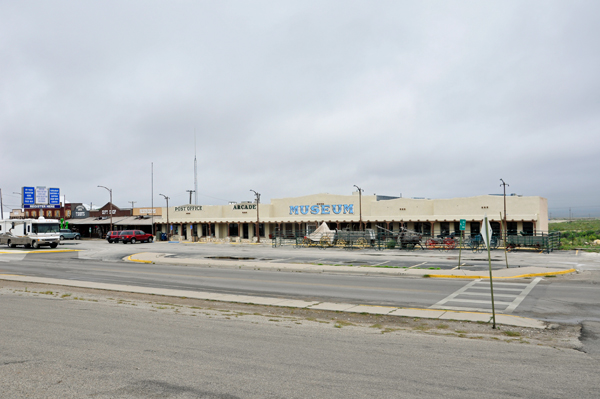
[[67, 234], [134, 236]]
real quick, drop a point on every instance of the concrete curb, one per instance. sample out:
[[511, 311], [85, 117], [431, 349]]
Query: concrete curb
[[438, 314], [554, 273]]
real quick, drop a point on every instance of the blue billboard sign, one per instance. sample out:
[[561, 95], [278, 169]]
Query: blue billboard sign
[[54, 196], [28, 195]]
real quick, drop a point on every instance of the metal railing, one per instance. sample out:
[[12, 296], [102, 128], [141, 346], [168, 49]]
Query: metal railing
[[387, 239]]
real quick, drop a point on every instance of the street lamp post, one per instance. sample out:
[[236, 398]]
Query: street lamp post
[[168, 226], [257, 218], [360, 190], [111, 213], [505, 224]]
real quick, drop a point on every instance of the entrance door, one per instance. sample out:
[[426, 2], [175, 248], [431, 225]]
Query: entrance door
[[475, 228]]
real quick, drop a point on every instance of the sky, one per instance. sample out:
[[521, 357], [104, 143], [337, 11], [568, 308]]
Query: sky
[[434, 99]]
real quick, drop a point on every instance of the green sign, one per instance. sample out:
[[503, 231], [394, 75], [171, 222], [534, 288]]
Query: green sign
[[463, 225]]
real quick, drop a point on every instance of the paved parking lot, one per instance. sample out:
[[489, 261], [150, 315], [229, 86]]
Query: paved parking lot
[[264, 252]]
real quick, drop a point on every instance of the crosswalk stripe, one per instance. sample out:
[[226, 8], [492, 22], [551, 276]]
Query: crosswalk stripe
[[475, 289]]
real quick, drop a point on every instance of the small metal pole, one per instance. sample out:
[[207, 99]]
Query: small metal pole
[[459, 249], [487, 236]]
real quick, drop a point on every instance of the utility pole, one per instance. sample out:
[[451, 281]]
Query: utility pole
[[360, 190], [1, 206], [132, 202], [168, 226], [191, 191], [257, 218]]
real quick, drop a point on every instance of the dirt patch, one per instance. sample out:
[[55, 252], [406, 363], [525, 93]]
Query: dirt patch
[[557, 335]]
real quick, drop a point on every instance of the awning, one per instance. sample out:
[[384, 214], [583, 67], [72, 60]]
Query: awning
[[95, 221]]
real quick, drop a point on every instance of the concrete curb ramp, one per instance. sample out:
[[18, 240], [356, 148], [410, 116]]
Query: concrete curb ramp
[[522, 272], [508, 320]]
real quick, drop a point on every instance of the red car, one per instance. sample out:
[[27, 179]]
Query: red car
[[134, 236], [113, 236]]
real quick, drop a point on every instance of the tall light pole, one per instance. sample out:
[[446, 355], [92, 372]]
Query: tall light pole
[[257, 218], [111, 213], [360, 190], [168, 227], [504, 186], [505, 224]]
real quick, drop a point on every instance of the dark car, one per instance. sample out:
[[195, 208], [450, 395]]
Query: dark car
[[134, 236], [113, 236], [67, 234]]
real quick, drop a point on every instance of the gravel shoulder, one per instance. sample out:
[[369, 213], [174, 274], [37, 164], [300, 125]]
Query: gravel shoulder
[[563, 336]]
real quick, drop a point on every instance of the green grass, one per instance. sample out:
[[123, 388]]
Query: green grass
[[578, 234], [512, 333]]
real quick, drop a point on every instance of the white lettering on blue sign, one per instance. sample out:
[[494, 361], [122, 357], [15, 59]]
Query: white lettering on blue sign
[[321, 209]]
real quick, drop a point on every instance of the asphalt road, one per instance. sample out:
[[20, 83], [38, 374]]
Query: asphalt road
[[54, 348], [571, 299]]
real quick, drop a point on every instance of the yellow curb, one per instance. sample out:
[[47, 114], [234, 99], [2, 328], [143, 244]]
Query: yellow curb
[[519, 276], [137, 260]]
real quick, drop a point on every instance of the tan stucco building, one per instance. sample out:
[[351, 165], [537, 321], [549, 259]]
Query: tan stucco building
[[299, 215]]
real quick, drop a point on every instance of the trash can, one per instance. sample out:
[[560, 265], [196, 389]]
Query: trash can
[[163, 236]]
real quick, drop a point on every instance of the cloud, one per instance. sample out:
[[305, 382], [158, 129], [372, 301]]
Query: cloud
[[434, 99]]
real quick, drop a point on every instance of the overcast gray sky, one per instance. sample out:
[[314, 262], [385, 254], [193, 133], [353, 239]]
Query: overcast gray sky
[[433, 99]]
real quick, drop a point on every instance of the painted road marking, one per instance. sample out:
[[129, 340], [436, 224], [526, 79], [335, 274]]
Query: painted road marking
[[12, 257], [382, 263], [480, 288], [420, 264]]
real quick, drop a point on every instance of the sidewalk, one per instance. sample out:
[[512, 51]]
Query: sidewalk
[[502, 319]]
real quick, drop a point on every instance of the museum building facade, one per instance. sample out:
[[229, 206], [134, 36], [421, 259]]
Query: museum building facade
[[299, 216]]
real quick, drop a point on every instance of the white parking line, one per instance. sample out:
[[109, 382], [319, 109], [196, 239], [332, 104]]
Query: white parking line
[[382, 263], [420, 264]]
